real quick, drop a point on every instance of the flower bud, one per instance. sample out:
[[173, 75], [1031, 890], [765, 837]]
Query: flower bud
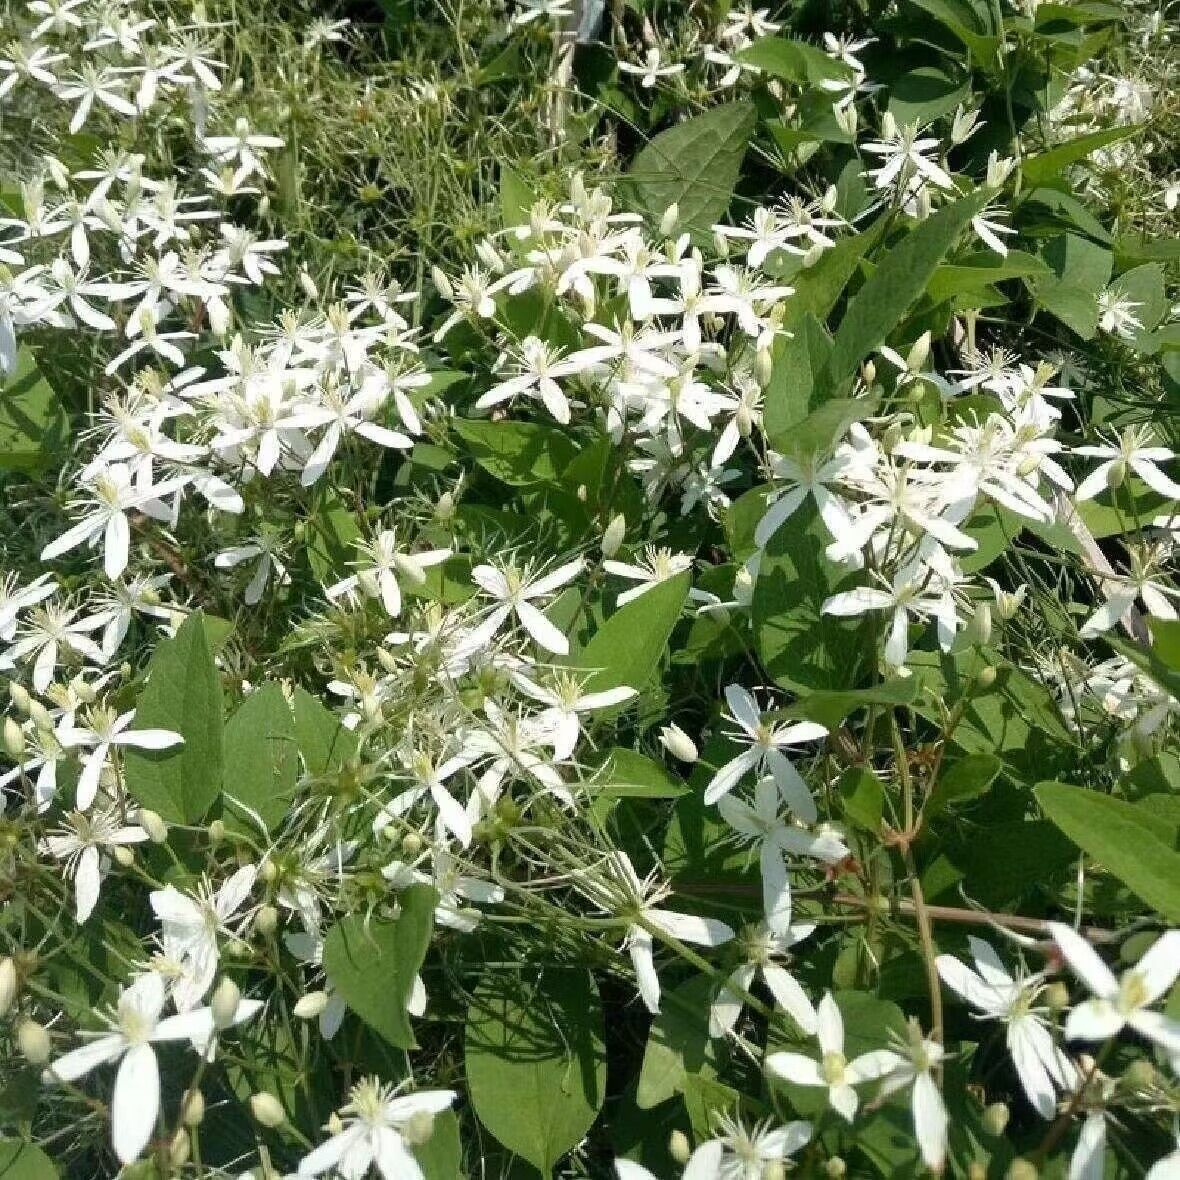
[[669, 220], [308, 284], [411, 843], [836, 1168], [8, 983], [763, 367], [123, 855], [267, 921], [985, 677], [14, 739], [1116, 474], [179, 1148], [919, 353], [19, 695], [981, 623], [216, 832], [367, 580], [224, 1004], [613, 535], [444, 510], [1141, 1075], [582, 494], [268, 873], [267, 1109], [976, 1170], [1021, 1170], [1057, 997], [812, 256], [995, 1118], [678, 743], [33, 1042], [308, 1007], [155, 827], [678, 1147], [720, 244], [869, 372], [192, 1108], [1008, 603], [418, 1128], [40, 715], [442, 283]]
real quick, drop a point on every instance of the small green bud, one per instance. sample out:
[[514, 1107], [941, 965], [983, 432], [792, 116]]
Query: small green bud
[[613, 535], [179, 1149], [418, 1129], [225, 1001], [995, 1118], [836, 1168], [1022, 1170], [267, 921], [155, 827], [14, 739], [19, 695], [8, 984], [267, 1109], [216, 832], [985, 677], [679, 1147], [308, 1007], [33, 1042], [192, 1108]]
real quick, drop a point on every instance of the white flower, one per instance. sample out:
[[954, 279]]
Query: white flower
[[766, 743], [1119, 1003], [563, 704], [659, 566], [103, 731], [1116, 313], [762, 945], [624, 893], [1131, 451], [651, 70], [388, 564], [190, 926], [82, 842], [1040, 1064], [538, 368], [135, 1026], [375, 1134], [516, 591], [762, 824], [740, 1154], [833, 1071], [112, 495]]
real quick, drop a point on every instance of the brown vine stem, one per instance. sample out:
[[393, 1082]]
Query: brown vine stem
[[946, 913]]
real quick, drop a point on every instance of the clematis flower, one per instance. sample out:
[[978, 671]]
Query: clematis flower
[[1121, 1003], [103, 731], [516, 592], [766, 743], [379, 1130], [135, 1027], [83, 842], [833, 1071]]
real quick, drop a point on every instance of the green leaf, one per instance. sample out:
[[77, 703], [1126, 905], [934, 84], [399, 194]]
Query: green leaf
[[825, 426], [818, 287], [441, 1156], [1044, 167], [900, 278], [322, 740], [796, 379], [25, 1161], [536, 1062], [332, 531], [1124, 838], [795, 61], [261, 759], [627, 648], [694, 165], [627, 774], [800, 646], [962, 781], [678, 1043], [863, 798], [516, 197], [372, 963], [33, 424], [183, 694], [517, 453], [965, 23], [1080, 270], [830, 708], [926, 94]]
